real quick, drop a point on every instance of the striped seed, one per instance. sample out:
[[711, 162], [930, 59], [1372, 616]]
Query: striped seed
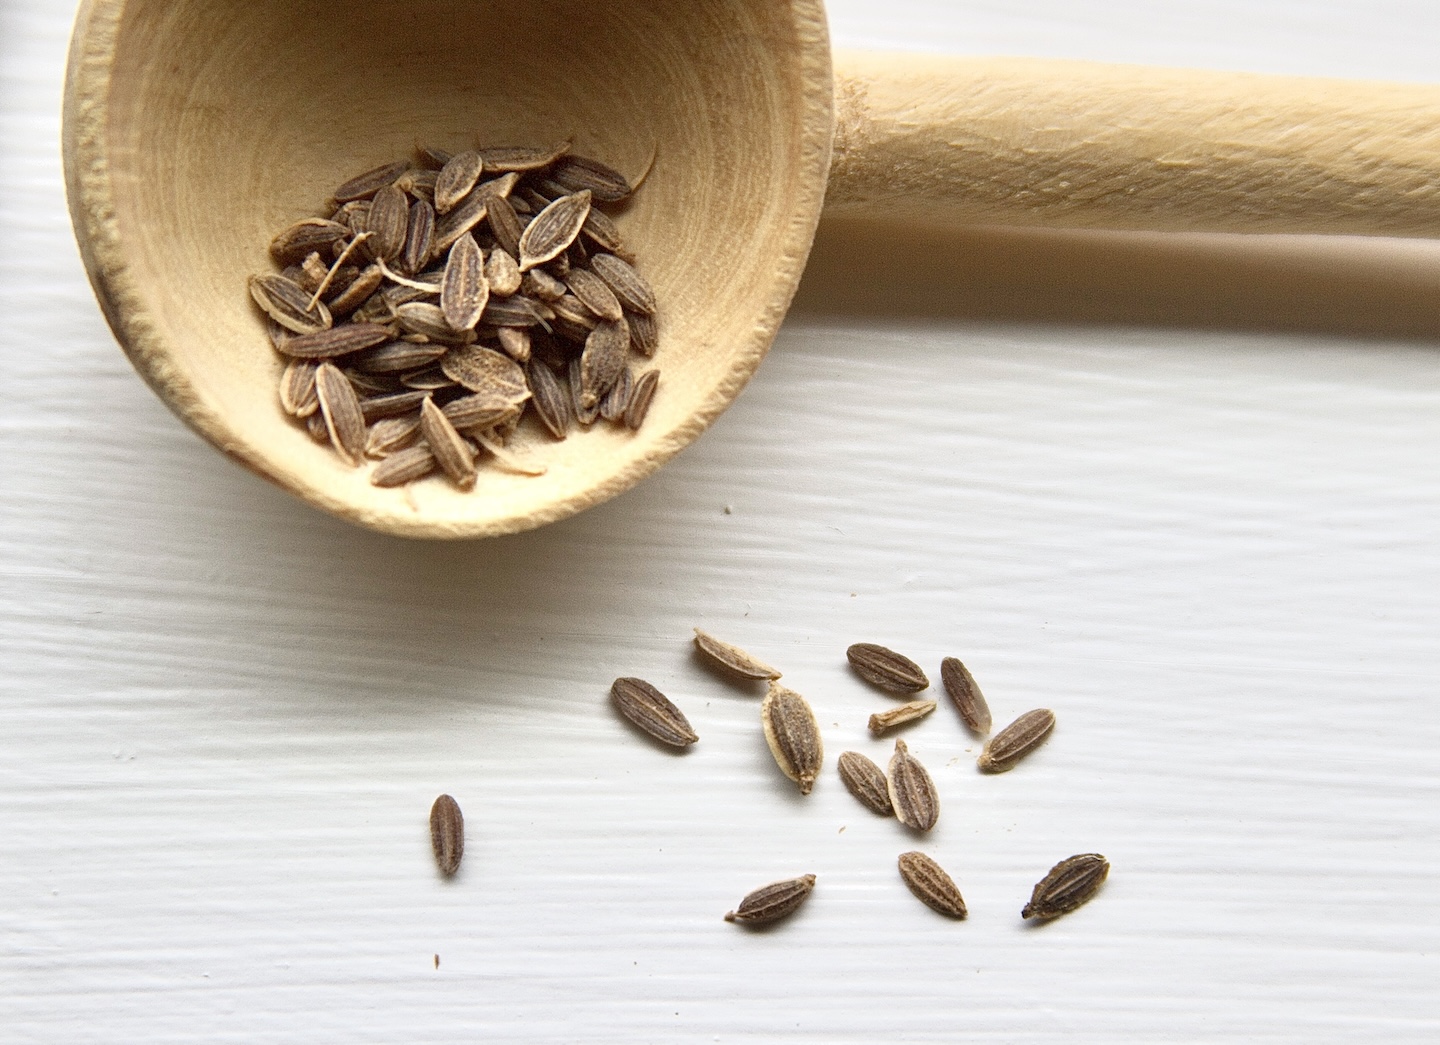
[[447, 834], [390, 434], [340, 407], [580, 173], [969, 701], [652, 711], [288, 303], [732, 658], [614, 402], [553, 229], [603, 359], [793, 735], [306, 236], [632, 290], [486, 370], [885, 668], [456, 179], [772, 902], [388, 222], [404, 466], [866, 781], [912, 792], [363, 186], [419, 238], [551, 399], [464, 291], [644, 335], [594, 294], [640, 398], [452, 452], [521, 158], [931, 885], [505, 225], [1006, 748], [297, 389], [1069, 884]]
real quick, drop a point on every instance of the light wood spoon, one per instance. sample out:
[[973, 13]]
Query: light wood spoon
[[194, 129]]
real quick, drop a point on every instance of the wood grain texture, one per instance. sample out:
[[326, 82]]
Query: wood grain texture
[[1211, 547]]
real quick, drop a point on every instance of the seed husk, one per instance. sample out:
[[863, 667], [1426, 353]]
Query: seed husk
[[419, 238], [553, 229], [447, 834], [388, 223], [632, 290], [732, 658], [404, 466], [885, 668], [363, 186], [297, 242], [288, 303], [603, 359], [969, 701], [793, 735], [640, 398], [551, 399], [898, 716], [485, 370], [452, 452], [644, 335], [931, 885], [522, 158], [297, 389], [456, 179], [912, 792], [866, 781], [772, 902], [652, 711], [502, 272], [464, 291], [1070, 883], [341, 408], [1007, 747], [595, 294], [580, 173]]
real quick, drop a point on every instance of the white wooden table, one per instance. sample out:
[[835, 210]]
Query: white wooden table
[[1185, 492]]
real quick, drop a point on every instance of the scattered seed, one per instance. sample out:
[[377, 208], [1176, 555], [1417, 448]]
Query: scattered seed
[[969, 701], [793, 735], [886, 668], [866, 781], [931, 885], [912, 792], [1017, 740], [732, 658], [447, 834], [652, 711], [772, 902], [898, 716], [1070, 883]]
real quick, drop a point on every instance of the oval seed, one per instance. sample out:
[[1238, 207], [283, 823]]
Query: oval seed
[[628, 285], [1006, 748], [640, 398], [1069, 884], [365, 185], [553, 230], [866, 781], [652, 711], [288, 303], [447, 834], [464, 291], [551, 399], [931, 885], [452, 452], [732, 658], [772, 902], [969, 701], [456, 179], [886, 668], [340, 407], [388, 222], [912, 792], [793, 735], [577, 173]]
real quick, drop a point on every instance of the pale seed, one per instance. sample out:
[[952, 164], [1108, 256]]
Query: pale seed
[[772, 902], [793, 735], [447, 834], [886, 668], [540, 284], [297, 389], [1069, 884], [931, 885], [866, 781], [464, 291], [452, 452], [502, 272], [652, 711], [585, 413], [515, 341], [912, 792], [341, 408], [482, 411], [898, 716], [1006, 748], [969, 701], [732, 658], [553, 229]]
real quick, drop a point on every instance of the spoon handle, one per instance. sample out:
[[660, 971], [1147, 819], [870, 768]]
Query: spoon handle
[[1062, 144]]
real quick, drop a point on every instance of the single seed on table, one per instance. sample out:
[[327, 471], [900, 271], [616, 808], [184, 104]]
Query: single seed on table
[[772, 902], [732, 658], [898, 716], [365, 185], [502, 272], [340, 407], [288, 303], [628, 285], [1069, 884], [640, 398], [447, 834], [652, 711], [404, 466], [931, 885], [1006, 748], [452, 452], [912, 792], [456, 179], [969, 701], [866, 781], [388, 222], [793, 735], [553, 230], [885, 668], [464, 291]]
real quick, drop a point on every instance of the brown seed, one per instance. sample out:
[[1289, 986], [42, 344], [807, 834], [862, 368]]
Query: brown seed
[[419, 183], [585, 413], [452, 452], [1006, 748], [644, 334], [503, 273], [931, 885], [614, 402], [419, 238], [486, 370], [431, 379], [553, 229], [513, 311], [603, 359], [339, 341], [341, 408], [515, 342], [732, 658], [353, 296], [969, 701], [551, 399], [403, 467], [1069, 884], [298, 241], [580, 173], [886, 668], [447, 834], [573, 314], [470, 211], [464, 291], [315, 427], [428, 320], [866, 781], [652, 711], [772, 902], [628, 285], [482, 411], [640, 398], [540, 284], [288, 303], [395, 357], [297, 389], [520, 158], [390, 434], [595, 294], [793, 735], [388, 222], [600, 230], [431, 157], [390, 404], [456, 179], [505, 224], [898, 716], [912, 792], [368, 184]]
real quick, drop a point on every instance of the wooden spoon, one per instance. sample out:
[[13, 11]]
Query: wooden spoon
[[194, 129]]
